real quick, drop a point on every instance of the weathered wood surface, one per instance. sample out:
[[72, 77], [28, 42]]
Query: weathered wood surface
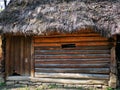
[[7, 56], [72, 65], [59, 52], [72, 61], [90, 56], [73, 70], [18, 55], [77, 48], [77, 44], [69, 39], [71, 81], [17, 78], [32, 60], [71, 75], [113, 69]]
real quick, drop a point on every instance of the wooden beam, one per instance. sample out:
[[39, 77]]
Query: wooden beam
[[104, 65], [72, 75], [70, 81], [69, 39], [73, 70], [113, 71], [32, 59]]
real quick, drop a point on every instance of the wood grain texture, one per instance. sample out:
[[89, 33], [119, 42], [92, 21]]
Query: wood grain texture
[[71, 81], [88, 59], [69, 39], [19, 48], [38, 65], [72, 75], [73, 70]]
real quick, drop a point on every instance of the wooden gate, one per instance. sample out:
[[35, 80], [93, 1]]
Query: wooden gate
[[74, 58]]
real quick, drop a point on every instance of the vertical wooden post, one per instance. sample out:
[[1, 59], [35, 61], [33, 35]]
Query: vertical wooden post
[[32, 59], [113, 67]]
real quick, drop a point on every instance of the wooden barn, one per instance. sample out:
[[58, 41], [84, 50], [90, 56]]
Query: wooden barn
[[61, 41]]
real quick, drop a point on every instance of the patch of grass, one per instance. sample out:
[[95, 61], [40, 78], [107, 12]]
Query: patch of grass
[[109, 88], [52, 86], [2, 84]]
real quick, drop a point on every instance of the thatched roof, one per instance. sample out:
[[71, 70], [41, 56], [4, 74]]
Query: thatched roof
[[67, 16]]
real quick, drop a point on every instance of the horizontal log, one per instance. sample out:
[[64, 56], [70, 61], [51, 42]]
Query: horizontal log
[[72, 56], [72, 75], [70, 35], [70, 81], [73, 70], [77, 48], [95, 59], [72, 62], [62, 52], [72, 65], [68, 39], [77, 44]]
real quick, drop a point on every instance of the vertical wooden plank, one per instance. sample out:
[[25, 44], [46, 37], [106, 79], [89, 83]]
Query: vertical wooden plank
[[32, 58], [21, 56], [16, 64], [113, 68], [7, 55], [26, 55], [18, 55], [29, 55]]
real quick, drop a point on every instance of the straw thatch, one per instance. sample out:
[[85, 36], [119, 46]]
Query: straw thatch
[[66, 16]]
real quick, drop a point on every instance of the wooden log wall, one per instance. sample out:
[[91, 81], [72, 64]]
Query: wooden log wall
[[18, 55], [73, 58]]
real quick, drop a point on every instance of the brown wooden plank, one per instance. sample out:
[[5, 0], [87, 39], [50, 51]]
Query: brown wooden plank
[[29, 55], [72, 62], [69, 35], [11, 56], [77, 44], [72, 56], [16, 66], [21, 56], [73, 70], [18, 54], [24, 53], [95, 59], [105, 65], [68, 39], [71, 81], [27, 61], [76, 48], [32, 60], [72, 75], [61, 52], [113, 70]]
